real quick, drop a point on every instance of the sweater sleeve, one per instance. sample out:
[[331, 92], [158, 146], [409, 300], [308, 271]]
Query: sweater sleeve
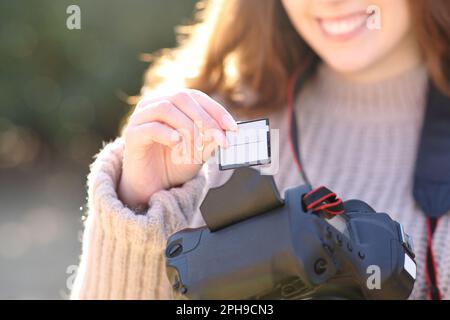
[[122, 251]]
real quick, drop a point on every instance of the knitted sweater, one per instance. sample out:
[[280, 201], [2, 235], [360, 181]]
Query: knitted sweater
[[358, 139]]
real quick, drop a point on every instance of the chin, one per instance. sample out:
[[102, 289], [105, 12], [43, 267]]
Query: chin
[[348, 63]]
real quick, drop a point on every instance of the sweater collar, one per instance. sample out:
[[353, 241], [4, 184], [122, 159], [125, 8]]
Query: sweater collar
[[396, 99], [431, 187]]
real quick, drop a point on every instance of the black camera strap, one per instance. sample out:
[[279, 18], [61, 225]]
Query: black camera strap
[[432, 174]]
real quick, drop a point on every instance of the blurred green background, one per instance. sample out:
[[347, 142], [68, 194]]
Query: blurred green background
[[62, 93]]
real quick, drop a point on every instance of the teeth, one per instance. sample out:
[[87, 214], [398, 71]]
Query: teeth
[[343, 26]]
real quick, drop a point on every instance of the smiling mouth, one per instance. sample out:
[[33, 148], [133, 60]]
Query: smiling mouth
[[345, 27]]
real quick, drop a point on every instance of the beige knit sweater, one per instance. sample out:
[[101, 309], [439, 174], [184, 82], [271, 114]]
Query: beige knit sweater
[[360, 140]]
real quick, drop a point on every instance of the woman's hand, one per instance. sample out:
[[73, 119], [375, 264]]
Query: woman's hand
[[167, 139]]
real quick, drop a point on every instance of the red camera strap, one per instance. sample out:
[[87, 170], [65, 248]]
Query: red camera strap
[[431, 267], [323, 200]]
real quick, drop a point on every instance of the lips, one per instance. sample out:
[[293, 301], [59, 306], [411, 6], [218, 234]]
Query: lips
[[343, 27]]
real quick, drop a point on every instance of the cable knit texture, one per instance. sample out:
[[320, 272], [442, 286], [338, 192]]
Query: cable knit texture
[[360, 140], [122, 250]]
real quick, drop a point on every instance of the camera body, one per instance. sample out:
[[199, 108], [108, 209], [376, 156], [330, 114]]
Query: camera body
[[290, 253]]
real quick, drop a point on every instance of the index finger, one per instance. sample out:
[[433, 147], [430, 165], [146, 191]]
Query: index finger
[[215, 110]]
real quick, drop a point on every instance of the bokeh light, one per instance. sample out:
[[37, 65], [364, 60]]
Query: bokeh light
[[62, 94]]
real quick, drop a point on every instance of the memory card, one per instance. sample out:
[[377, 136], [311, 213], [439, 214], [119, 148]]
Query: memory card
[[248, 146]]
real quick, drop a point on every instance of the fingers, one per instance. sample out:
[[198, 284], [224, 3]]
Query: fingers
[[198, 119], [187, 104], [216, 110], [166, 112], [208, 151], [207, 114], [162, 111], [206, 124], [200, 99], [147, 133]]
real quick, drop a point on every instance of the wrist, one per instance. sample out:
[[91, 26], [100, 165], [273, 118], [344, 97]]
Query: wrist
[[135, 196]]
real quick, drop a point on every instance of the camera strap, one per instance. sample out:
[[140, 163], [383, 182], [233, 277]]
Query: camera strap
[[432, 173], [295, 83], [431, 267], [323, 200]]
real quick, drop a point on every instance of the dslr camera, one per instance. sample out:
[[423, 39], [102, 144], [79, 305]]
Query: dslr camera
[[258, 245]]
